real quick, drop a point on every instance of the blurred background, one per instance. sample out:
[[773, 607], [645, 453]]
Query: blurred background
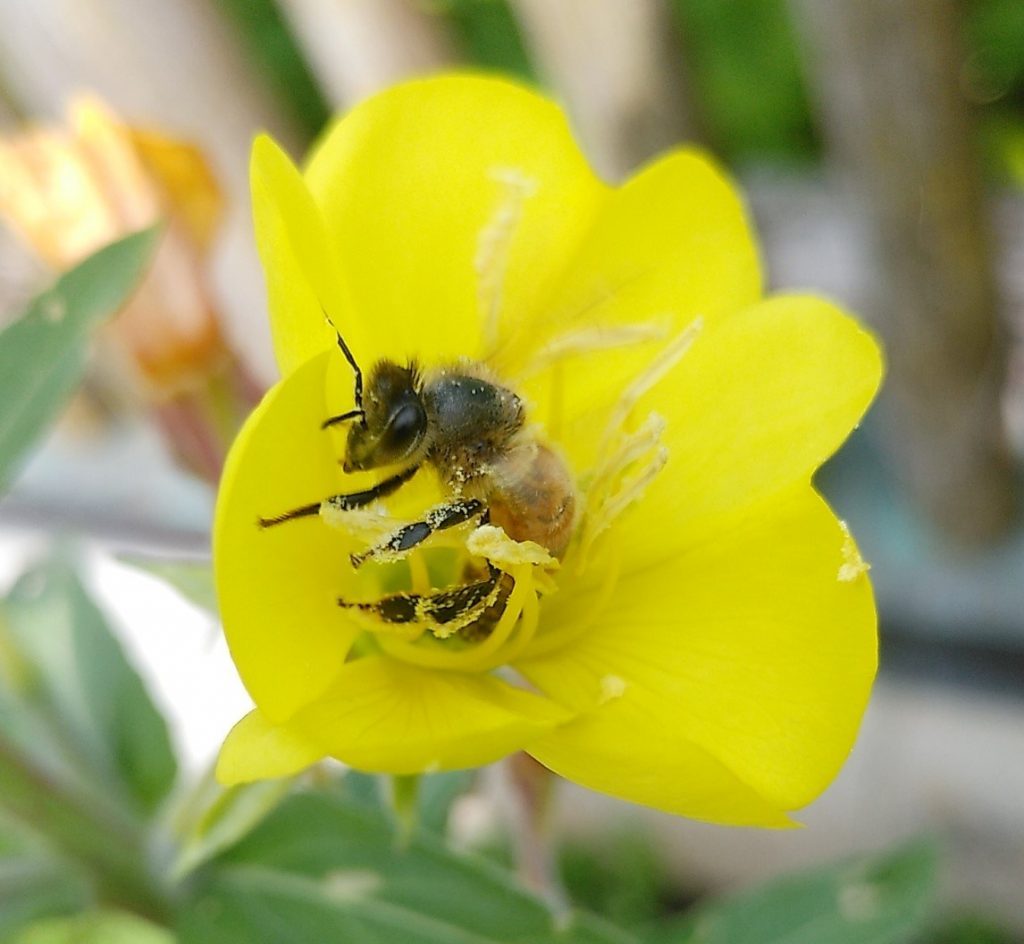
[[881, 147]]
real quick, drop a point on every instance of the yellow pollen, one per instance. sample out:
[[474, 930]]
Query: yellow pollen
[[853, 565], [612, 687], [491, 542]]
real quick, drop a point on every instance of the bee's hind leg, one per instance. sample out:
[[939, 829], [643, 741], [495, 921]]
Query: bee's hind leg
[[445, 612], [438, 518]]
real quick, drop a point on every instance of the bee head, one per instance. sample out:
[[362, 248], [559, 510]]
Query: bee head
[[394, 421]]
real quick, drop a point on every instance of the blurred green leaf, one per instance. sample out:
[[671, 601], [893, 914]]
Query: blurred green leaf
[[217, 817], [191, 578], [33, 888], [434, 797], [278, 61], [438, 792], [76, 679], [748, 77], [887, 899], [488, 35], [101, 927], [621, 876], [972, 930], [323, 868], [42, 354]]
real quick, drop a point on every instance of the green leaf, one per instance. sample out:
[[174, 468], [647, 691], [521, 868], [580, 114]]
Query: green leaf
[[42, 354], [886, 899], [193, 579], [101, 927], [77, 684], [32, 888], [217, 817], [323, 868], [438, 793]]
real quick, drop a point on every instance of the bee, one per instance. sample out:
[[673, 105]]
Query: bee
[[493, 468]]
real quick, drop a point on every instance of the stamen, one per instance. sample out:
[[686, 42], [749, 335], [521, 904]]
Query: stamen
[[634, 446], [619, 449], [587, 340], [656, 371], [571, 630], [494, 247], [527, 630]]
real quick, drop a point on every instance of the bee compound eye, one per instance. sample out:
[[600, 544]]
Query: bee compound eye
[[406, 424]]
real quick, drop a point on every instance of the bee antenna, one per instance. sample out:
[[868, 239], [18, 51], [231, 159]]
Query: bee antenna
[[355, 369]]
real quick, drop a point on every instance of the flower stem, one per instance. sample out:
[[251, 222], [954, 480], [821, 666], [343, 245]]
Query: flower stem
[[531, 788]]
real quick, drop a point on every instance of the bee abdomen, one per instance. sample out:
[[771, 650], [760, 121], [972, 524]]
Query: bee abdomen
[[534, 499]]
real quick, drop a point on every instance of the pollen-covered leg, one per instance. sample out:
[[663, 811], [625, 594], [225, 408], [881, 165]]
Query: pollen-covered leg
[[347, 502], [444, 612], [438, 518]]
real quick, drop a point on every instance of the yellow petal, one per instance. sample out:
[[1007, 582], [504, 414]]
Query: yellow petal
[[277, 587], [733, 677], [436, 189], [672, 245], [299, 260], [386, 716], [754, 406], [258, 750]]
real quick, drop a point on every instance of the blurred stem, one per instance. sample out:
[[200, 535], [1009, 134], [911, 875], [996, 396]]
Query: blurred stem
[[405, 793], [200, 424], [96, 834], [531, 788]]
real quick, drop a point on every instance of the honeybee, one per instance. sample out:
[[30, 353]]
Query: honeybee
[[472, 431]]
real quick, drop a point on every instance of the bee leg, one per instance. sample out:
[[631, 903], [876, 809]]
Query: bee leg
[[437, 518], [445, 611], [344, 502]]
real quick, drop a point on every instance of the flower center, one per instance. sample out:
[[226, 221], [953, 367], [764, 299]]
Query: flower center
[[492, 618]]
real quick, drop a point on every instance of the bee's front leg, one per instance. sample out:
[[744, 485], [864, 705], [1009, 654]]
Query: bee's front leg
[[438, 518], [346, 502]]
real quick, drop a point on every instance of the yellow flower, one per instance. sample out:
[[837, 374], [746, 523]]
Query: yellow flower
[[707, 643]]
